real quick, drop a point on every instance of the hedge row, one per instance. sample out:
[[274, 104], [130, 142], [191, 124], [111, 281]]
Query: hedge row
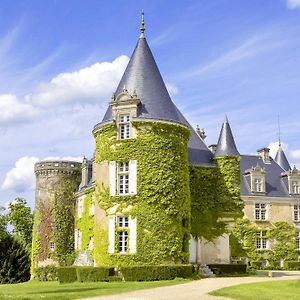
[[292, 265], [156, 272], [228, 269], [82, 274], [47, 273]]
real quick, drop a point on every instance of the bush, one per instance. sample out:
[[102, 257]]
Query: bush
[[86, 274], [228, 269], [14, 260], [156, 272], [47, 273], [292, 265], [83, 274], [66, 274]]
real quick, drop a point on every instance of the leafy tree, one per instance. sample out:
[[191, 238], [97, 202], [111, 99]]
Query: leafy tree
[[21, 217], [14, 260]]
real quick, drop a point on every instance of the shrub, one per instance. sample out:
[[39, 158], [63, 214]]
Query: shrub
[[85, 274], [82, 274], [66, 274], [14, 260], [156, 272], [47, 273], [228, 269], [292, 265]]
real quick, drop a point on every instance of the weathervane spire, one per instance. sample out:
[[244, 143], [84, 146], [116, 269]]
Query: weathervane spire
[[143, 25], [279, 133]]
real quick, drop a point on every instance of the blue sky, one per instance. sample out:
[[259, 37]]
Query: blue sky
[[61, 61]]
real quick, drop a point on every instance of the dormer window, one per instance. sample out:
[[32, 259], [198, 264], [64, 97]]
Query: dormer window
[[258, 185], [293, 181], [257, 179], [295, 187], [124, 127]]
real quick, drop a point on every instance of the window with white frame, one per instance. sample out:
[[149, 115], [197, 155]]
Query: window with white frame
[[52, 246], [124, 127], [261, 240], [123, 178], [295, 187], [297, 213], [258, 185], [260, 211], [122, 229], [297, 240], [80, 207]]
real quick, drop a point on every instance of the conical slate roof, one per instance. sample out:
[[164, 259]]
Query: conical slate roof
[[226, 144], [143, 77], [281, 159]]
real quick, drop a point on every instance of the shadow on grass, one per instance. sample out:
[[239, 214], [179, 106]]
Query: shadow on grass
[[75, 290]]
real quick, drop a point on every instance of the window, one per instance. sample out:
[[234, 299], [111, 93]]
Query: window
[[123, 178], [122, 227], [260, 211], [124, 127], [298, 240], [258, 185], [52, 246], [261, 240], [295, 187], [80, 208], [297, 213]]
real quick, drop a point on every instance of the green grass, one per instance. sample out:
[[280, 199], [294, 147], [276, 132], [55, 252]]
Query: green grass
[[276, 290], [55, 291]]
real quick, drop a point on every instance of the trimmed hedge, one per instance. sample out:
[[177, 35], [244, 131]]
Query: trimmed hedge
[[47, 273], [83, 274], [228, 269], [156, 272], [292, 265]]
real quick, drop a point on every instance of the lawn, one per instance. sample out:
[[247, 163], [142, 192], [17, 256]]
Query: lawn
[[277, 290], [56, 291]]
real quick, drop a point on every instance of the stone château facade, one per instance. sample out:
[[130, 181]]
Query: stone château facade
[[154, 193]]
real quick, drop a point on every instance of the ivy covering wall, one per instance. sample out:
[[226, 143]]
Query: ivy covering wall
[[215, 196], [162, 203], [280, 236], [85, 224]]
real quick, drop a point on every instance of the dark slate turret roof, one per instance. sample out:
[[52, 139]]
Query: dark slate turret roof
[[143, 77], [226, 144], [281, 159]]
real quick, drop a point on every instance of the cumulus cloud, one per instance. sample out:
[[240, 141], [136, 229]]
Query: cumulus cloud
[[93, 84], [87, 85], [293, 4], [13, 110], [22, 178], [172, 89], [273, 146]]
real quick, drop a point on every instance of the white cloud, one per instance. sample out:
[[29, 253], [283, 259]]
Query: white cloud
[[13, 110], [273, 146], [295, 154], [88, 85], [293, 4], [172, 89], [22, 178]]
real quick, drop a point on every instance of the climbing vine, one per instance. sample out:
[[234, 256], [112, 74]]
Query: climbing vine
[[86, 222], [215, 195], [280, 235], [162, 203]]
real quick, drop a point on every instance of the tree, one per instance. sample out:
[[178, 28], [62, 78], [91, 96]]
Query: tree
[[21, 217], [3, 224]]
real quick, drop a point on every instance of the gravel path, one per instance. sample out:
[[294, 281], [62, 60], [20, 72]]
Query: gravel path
[[197, 289]]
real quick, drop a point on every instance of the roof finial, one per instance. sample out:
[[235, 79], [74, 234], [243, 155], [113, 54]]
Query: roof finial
[[142, 25]]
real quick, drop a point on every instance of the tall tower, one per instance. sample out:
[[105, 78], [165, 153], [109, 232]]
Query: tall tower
[[53, 232]]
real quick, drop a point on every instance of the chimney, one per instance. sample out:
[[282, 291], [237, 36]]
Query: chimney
[[213, 148], [264, 153]]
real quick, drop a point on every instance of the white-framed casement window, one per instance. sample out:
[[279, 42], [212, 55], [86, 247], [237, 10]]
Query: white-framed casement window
[[295, 187], [80, 207], [260, 211], [122, 178], [121, 235], [258, 185], [296, 213], [77, 239], [297, 240], [261, 240], [52, 246], [124, 127]]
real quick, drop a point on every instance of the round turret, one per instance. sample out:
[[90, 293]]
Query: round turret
[[56, 182]]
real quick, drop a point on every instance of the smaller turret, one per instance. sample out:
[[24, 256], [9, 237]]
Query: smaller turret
[[281, 159], [226, 144]]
